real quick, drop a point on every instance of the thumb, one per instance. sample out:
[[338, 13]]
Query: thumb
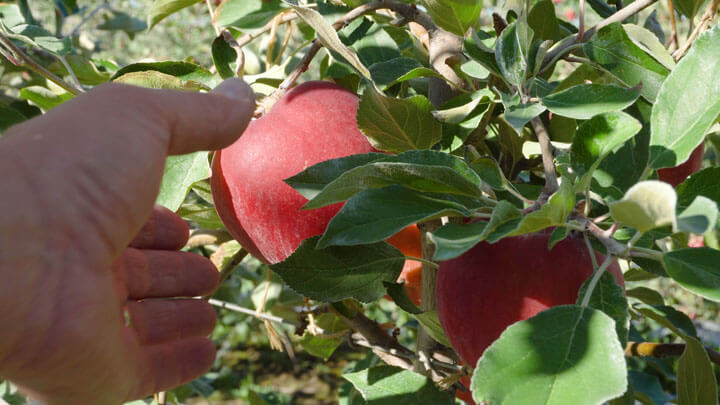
[[209, 121]]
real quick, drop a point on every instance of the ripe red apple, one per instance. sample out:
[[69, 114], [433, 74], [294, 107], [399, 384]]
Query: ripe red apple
[[312, 123], [678, 174], [492, 286], [408, 242]]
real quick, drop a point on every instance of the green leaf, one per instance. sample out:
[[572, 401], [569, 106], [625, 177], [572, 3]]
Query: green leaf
[[44, 98], [181, 70], [421, 170], [387, 73], [699, 217], [157, 80], [557, 235], [397, 125], [688, 103], [224, 57], [9, 117], [206, 217], [414, 74], [696, 269], [247, 14], [489, 171], [481, 55], [385, 385], [649, 386], [163, 8], [612, 49], [689, 9], [517, 115], [180, 174], [511, 53], [341, 272], [564, 355], [609, 298], [39, 37], [587, 100], [669, 317], [504, 220], [703, 183], [85, 70], [399, 295], [696, 382], [312, 180], [11, 16], [596, 139], [647, 205], [455, 16], [324, 346], [542, 20], [119, 21], [648, 42], [376, 214], [452, 240], [552, 213], [455, 114], [431, 323], [327, 35], [646, 295]]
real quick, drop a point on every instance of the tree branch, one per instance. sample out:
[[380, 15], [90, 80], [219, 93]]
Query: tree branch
[[710, 13], [546, 148], [26, 61]]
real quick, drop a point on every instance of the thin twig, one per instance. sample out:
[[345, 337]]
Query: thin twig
[[247, 311], [212, 16], [651, 349], [709, 15], [581, 28], [65, 63], [568, 44], [28, 62], [546, 148], [88, 17], [673, 27]]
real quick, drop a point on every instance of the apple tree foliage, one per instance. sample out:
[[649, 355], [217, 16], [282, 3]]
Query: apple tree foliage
[[543, 122]]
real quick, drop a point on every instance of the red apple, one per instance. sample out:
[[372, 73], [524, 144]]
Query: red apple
[[492, 286], [678, 174], [312, 123]]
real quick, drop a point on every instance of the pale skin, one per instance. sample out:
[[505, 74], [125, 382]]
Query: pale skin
[[81, 240]]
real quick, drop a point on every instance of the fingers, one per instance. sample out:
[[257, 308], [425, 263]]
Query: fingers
[[164, 230], [169, 365], [163, 273], [162, 321]]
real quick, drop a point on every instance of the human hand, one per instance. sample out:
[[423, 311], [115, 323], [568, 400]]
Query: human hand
[[80, 240]]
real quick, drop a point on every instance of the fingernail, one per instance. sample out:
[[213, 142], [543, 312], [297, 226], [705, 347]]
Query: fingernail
[[235, 88]]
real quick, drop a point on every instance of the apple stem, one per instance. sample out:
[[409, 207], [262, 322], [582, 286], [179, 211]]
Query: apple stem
[[596, 277]]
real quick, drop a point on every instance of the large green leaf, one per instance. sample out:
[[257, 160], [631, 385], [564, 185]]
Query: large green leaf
[[688, 103], [612, 49], [341, 272], [587, 100], [373, 215], [542, 20], [648, 42], [422, 170], [703, 183], [511, 52], [385, 385], [247, 14], [696, 382], [647, 205], [39, 37], [180, 174], [695, 269], [163, 8], [596, 139], [564, 355], [609, 297], [312, 180], [397, 125], [455, 16]]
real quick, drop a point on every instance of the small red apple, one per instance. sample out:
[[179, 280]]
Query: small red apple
[[678, 174], [312, 123], [492, 286], [408, 242]]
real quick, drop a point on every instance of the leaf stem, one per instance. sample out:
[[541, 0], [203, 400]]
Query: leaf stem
[[596, 277], [551, 182]]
